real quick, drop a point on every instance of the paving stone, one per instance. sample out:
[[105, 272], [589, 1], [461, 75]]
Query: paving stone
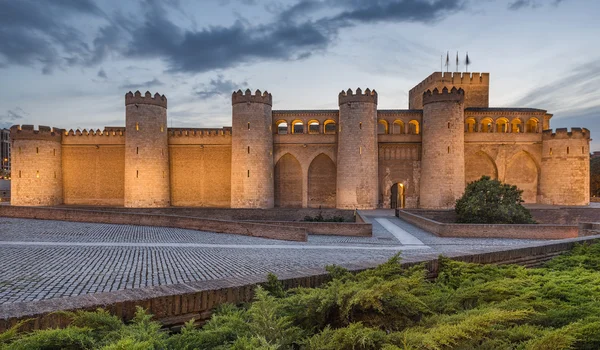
[[53, 259]]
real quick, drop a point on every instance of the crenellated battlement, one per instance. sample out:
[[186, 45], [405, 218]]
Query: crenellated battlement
[[453, 78], [257, 97], [195, 132], [28, 132], [564, 133], [94, 133], [369, 96], [148, 99], [455, 95]]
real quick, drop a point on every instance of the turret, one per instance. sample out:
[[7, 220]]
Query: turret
[[565, 169], [146, 151], [357, 163], [252, 150], [443, 149], [36, 166]]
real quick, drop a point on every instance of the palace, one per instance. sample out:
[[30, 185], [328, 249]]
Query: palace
[[357, 156]]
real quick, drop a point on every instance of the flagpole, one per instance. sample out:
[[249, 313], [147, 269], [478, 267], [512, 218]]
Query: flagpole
[[456, 61], [441, 64]]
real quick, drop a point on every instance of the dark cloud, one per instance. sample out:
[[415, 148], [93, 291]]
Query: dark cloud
[[37, 33], [102, 74], [286, 38], [218, 87], [521, 4], [12, 116], [142, 86]]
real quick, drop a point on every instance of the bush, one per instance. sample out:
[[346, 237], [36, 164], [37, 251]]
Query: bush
[[488, 201], [320, 218]]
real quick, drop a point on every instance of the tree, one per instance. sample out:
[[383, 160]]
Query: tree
[[488, 201], [595, 177]]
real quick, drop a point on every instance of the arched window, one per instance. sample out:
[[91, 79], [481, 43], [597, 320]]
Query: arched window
[[313, 127], [382, 127], [297, 127], [398, 127], [282, 127], [533, 125], [487, 125], [329, 127], [413, 127], [516, 125], [470, 125], [502, 125]]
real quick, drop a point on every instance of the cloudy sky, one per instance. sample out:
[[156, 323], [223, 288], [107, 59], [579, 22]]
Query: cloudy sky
[[68, 63]]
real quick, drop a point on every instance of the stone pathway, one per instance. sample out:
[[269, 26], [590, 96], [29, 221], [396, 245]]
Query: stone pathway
[[54, 259]]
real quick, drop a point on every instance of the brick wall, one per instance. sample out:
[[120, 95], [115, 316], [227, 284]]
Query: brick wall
[[94, 174], [533, 231], [290, 233], [200, 175]]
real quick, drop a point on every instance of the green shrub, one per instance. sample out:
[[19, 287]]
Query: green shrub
[[488, 201]]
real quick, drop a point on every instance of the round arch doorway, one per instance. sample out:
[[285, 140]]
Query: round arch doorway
[[398, 197]]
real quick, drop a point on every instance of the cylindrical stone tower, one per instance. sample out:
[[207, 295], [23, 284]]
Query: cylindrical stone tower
[[146, 151], [443, 145], [357, 167], [565, 169], [252, 150], [36, 157]]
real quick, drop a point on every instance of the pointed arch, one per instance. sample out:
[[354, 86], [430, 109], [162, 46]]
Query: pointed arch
[[523, 172], [479, 164], [288, 182], [322, 182]]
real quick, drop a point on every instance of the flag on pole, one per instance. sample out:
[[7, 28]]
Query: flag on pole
[[447, 61], [457, 61], [467, 62]]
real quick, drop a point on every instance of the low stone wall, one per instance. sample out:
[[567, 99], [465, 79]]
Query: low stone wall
[[557, 215], [535, 231], [595, 199], [289, 233], [236, 214], [352, 229], [567, 216], [175, 304]]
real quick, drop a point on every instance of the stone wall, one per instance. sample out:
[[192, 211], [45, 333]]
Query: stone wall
[[550, 216], [513, 161], [532, 231], [476, 86], [200, 175], [288, 232], [278, 214], [94, 174], [174, 305]]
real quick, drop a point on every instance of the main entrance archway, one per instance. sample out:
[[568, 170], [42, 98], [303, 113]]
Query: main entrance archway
[[398, 196]]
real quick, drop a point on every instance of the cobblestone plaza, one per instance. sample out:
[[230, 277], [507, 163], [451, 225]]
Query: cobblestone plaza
[[55, 259]]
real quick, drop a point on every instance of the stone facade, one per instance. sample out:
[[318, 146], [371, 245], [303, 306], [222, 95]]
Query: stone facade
[[353, 157]]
